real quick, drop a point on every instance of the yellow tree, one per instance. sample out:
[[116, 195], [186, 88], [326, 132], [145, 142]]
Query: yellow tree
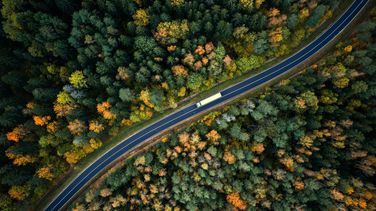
[[45, 173], [19, 159], [247, 3], [180, 70], [177, 2], [258, 3], [72, 157], [18, 192], [63, 110], [64, 98], [145, 97], [172, 29], [275, 36], [141, 17], [77, 79], [95, 126]]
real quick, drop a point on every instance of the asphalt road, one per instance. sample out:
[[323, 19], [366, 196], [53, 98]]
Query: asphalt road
[[127, 144]]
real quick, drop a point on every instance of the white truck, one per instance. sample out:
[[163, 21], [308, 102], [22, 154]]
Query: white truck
[[209, 99]]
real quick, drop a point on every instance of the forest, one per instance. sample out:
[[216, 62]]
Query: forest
[[75, 73], [307, 143]]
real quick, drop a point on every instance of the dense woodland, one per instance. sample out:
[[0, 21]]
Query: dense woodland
[[307, 143], [73, 73]]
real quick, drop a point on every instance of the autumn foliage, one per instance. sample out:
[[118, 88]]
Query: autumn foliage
[[236, 201]]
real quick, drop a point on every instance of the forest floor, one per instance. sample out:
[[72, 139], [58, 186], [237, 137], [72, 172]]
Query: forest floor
[[126, 132]]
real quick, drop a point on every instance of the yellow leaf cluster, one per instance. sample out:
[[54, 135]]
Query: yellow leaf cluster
[[18, 192], [126, 122], [141, 17], [145, 97], [77, 79], [45, 173], [73, 157], [182, 91], [63, 110], [180, 70], [64, 98], [304, 13], [177, 2], [348, 49], [171, 48], [19, 159], [52, 127], [247, 3], [95, 143], [172, 29], [276, 36], [103, 108], [95, 126]]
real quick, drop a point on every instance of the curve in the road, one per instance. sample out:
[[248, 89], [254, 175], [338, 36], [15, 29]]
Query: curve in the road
[[282, 68]]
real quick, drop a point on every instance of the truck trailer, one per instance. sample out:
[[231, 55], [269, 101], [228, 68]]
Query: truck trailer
[[208, 100]]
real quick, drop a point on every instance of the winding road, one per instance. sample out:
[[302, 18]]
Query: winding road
[[243, 87]]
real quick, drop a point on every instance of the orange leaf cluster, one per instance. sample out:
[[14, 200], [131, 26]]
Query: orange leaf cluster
[[103, 107], [213, 135], [288, 163], [171, 48], [337, 195], [229, 157], [180, 70], [258, 148], [13, 136], [41, 120], [76, 127], [63, 110], [18, 133], [299, 184], [236, 201], [199, 50]]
